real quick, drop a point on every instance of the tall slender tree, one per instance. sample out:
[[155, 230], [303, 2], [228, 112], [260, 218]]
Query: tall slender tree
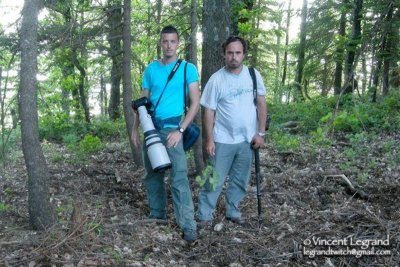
[[41, 213], [192, 57], [298, 94], [127, 82], [285, 54], [353, 46], [340, 47], [114, 22]]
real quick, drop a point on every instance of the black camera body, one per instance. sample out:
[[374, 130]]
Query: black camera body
[[143, 101]]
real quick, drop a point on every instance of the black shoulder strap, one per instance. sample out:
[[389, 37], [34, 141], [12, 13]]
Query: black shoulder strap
[[177, 64], [253, 77], [184, 88]]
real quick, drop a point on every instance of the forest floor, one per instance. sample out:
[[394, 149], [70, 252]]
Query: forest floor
[[314, 202]]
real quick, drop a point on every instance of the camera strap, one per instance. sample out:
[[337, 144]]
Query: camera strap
[[174, 69], [253, 77], [184, 88]]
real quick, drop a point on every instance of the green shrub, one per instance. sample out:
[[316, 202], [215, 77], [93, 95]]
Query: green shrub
[[3, 207], [90, 144], [346, 122], [104, 128], [285, 142], [54, 127]]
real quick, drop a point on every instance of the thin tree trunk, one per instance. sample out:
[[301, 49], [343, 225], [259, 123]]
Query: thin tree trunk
[[127, 82], [114, 21], [278, 59], [298, 94], [352, 46], [365, 74], [340, 49], [103, 96], [198, 147], [325, 88], [41, 213], [285, 55], [81, 86], [388, 53]]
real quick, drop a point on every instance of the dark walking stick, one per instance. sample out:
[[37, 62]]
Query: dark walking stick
[[258, 178]]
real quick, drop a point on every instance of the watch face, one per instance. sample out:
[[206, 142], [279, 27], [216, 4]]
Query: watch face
[[181, 130]]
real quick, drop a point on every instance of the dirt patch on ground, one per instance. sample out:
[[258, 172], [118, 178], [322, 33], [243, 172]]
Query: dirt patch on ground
[[310, 206]]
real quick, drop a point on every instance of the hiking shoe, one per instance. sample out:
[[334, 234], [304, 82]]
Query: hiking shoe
[[157, 217], [189, 235], [235, 220]]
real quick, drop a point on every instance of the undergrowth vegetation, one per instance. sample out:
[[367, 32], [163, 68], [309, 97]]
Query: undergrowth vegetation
[[319, 122], [322, 120]]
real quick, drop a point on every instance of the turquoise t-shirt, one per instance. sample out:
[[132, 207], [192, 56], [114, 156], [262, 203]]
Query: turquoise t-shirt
[[172, 101]]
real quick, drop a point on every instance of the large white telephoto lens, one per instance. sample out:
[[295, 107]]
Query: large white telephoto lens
[[156, 150]]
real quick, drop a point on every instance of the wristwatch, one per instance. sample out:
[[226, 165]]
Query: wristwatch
[[181, 129], [261, 134]]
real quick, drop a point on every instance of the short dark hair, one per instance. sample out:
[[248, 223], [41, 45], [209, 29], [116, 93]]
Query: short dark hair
[[232, 39], [169, 29]]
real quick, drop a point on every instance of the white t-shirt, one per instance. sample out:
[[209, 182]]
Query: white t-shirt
[[231, 96]]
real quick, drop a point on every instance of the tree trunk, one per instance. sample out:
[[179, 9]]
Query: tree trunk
[[388, 52], [41, 213], [216, 29], [81, 86], [285, 55], [337, 84], [325, 87], [103, 96], [114, 21], [159, 12], [127, 81], [298, 94], [278, 60], [198, 147], [352, 47]]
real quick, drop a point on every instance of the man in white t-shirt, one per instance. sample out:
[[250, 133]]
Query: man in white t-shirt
[[234, 125]]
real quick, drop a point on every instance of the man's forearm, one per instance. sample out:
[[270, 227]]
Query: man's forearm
[[261, 113], [209, 123]]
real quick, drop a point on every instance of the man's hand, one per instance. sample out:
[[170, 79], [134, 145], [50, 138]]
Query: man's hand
[[210, 147], [135, 138], [173, 138], [257, 142]]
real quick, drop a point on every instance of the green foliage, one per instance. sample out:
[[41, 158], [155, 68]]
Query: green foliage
[[346, 122], [208, 177], [285, 142], [3, 207], [8, 143], [96, 227], [308, 113], [319, 137], [54, 127], [320, 116], [116, 255], [104, 128], [8, 191], [90, 144]]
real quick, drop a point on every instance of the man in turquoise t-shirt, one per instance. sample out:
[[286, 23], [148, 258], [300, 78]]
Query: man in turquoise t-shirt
[[170, 125]]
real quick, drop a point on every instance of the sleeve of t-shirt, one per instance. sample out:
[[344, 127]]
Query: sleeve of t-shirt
[[191, 75], [209, 96], [261, 90]]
